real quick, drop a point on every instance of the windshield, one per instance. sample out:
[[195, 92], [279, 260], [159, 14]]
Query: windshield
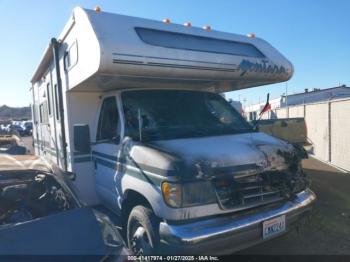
[[171, 114]]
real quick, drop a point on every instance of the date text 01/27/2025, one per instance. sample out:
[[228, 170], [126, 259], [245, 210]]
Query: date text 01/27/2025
[[173, 258]]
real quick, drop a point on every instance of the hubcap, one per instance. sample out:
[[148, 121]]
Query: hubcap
[[139, 242]]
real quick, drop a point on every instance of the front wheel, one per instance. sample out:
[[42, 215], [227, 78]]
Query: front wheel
[[142, 231]]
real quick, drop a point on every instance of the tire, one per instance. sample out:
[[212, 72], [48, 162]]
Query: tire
[[143, 231]]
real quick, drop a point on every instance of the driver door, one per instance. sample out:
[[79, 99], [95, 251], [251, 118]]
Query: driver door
[[105, 153]]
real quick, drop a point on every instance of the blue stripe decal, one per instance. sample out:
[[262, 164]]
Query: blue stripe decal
[[110, 157], [151, 169], [82, 159], [77, 153], [106, 163]]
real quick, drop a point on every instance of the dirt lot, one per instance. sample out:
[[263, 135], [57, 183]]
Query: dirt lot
[[328, 231]]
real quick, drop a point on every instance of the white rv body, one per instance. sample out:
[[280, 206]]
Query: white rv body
[[89, 89], [100, 52]]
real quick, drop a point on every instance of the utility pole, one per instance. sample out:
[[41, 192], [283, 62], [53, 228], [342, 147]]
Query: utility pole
[[286, 94], [287, 107]]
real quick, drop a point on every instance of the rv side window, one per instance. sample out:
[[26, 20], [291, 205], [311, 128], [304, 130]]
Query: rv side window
[[34, 114], [56, 103], [71, 57], [43, 113], [197, 43], [37, 113], [48, 92], [108, 128]]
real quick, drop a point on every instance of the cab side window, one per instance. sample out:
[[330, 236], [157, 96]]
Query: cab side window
[[108, 124]]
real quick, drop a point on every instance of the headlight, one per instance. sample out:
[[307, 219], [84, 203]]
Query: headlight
[[172, 194], [188, 194]]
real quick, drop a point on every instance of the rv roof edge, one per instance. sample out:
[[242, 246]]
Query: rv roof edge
[[44, 62], [143, 53]]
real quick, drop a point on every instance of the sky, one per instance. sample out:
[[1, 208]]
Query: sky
[[313, 34]]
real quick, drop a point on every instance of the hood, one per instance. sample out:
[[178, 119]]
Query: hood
[[23, 163], [240, 154]]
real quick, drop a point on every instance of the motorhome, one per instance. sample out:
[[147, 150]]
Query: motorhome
[[133, 108]]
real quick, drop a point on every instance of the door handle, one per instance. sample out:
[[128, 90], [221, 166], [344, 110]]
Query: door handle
[[95, 163]]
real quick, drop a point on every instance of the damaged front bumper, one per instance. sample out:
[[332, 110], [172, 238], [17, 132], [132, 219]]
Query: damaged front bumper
[[227, 234]]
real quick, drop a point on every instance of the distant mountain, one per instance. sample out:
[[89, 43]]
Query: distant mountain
[[15, 113]]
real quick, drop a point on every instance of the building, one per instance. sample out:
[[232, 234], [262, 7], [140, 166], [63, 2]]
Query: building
[[252, 112], [307, 97]]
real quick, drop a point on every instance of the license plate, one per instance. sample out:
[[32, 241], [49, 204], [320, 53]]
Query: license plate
[[274, 226]]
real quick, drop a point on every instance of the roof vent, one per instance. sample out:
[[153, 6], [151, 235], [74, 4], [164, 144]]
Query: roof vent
[[98, 9]]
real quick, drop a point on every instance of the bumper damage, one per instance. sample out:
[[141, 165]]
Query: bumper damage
[[225, 235]]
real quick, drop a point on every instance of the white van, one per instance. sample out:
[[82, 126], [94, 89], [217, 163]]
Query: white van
[[132, 107]]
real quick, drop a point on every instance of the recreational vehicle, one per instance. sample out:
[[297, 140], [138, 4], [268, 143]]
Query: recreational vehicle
[[133, 108]]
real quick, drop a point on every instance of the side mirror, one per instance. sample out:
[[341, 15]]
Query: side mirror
[[71, 175], [82, 139]]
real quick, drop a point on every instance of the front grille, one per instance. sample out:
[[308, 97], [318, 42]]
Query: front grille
[[250, 191]]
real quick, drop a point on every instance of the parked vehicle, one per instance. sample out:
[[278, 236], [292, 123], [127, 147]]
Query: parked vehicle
[[132, 107], [5, 128], [28, 128], [17, 129], [293, 130], [11, 144], [41, 215]]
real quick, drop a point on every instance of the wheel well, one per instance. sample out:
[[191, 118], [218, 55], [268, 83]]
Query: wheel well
[[132, 199]]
